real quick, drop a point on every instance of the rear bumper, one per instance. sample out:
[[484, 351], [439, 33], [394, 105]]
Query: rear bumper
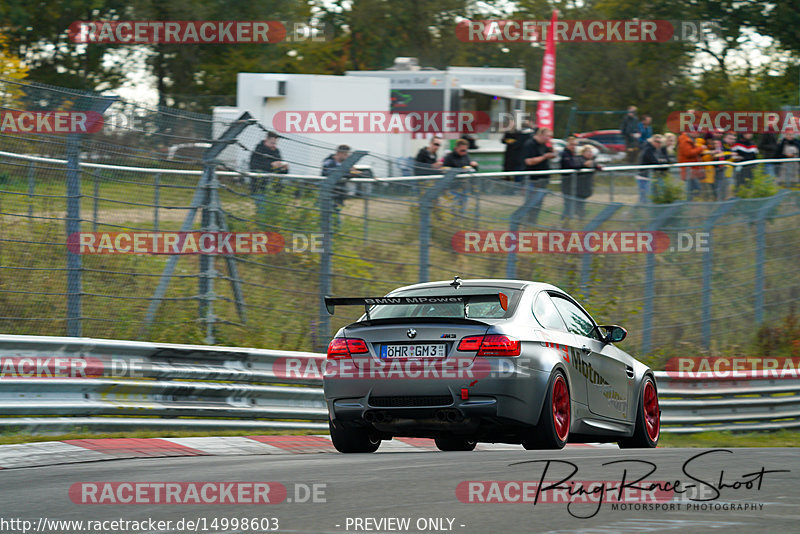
[[404, 406]]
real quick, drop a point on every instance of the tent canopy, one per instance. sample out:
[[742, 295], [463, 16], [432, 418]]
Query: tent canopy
[[506, 91]]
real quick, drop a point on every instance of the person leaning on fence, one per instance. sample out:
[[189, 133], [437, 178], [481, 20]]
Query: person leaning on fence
[[723, 151], [536, 155], [427, 160], [689, 152], [630, 132], [514, 140], [569, 182], [334, 161], [768, 145], [747, 150], [459, 158], [652, 154], [579, 186], [266, 157], [671, 147], [789, 147]]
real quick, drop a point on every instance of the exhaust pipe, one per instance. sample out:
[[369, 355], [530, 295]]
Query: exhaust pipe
[[453, 416], [377, 417]]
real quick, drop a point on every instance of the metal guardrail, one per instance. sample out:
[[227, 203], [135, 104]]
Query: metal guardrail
[[113, 384], [743, 401], [59, 383]]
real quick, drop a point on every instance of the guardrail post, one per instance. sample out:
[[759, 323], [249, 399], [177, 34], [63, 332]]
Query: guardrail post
[[761, 216], [532, 199], [649, 276], [326, 211], [425, 207], [708, 258], [586, 261]]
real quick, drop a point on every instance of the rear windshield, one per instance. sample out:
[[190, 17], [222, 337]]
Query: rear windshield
[[477, 310]]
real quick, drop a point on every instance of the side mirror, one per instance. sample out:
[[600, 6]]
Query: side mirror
[[614, 333]]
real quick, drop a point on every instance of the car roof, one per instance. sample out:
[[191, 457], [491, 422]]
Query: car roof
[[599, 132], [504, 283]]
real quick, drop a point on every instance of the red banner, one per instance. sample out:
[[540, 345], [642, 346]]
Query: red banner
[[544, 111]]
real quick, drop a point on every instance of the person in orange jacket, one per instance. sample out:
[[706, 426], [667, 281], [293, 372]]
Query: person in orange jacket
[[689, 152]]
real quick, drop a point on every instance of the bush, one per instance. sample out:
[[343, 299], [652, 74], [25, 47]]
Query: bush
[[759, 186], [666, 190]]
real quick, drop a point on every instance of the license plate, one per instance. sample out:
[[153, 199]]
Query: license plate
[[431, 350]]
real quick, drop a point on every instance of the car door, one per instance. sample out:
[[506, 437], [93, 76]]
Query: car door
[[608, 386], [558, 338]]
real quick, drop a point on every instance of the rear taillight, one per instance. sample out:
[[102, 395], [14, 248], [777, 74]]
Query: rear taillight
[[490, 345], [340, 348], [470, 343]]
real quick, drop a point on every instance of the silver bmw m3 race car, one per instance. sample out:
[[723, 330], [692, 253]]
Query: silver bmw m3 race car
[[500, 361]]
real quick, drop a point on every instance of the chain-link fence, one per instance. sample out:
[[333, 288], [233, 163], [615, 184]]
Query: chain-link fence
[[719, 268]]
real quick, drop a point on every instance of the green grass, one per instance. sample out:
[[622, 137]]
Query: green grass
[[780, 438], [281, 291]]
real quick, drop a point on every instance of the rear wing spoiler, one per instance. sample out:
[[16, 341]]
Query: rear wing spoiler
[[367, 302]]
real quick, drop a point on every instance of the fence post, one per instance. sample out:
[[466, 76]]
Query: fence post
[[649, 277], [74, 263], [586, 260], [769, 204], [96, 193], [326, 208], [425, 207], [611, 186], [206, 196], [31, 186], [708, 258], [156, 201], [366, 216], [531, 201]]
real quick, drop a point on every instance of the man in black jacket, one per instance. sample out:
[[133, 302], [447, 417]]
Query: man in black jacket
[[459, 159], [266, 157], [426, 161], [630, 131], [652, 154], [536, 155]]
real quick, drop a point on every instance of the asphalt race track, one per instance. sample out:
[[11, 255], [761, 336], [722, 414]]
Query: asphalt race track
[[361, 492]]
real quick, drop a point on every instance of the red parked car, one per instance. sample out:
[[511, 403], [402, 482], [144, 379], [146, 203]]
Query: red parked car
[[613, 139]]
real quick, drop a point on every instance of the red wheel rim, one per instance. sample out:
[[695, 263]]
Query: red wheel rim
[[561, 411], [652, 415]]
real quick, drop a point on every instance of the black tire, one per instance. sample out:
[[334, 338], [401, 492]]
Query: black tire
[[350, 440], [648, 420], [454, 443], [552, 432]]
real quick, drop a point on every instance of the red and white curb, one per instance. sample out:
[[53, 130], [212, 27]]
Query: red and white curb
[[92, 450]]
